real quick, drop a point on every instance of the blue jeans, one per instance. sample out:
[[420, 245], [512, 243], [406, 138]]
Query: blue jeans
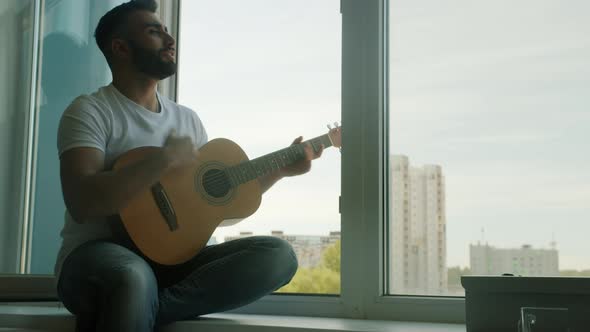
[[110, 288]]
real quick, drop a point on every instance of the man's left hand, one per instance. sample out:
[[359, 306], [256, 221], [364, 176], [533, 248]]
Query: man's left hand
[[304, 165]]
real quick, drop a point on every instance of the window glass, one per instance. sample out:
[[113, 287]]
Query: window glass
[[261, 73], [488, 127]]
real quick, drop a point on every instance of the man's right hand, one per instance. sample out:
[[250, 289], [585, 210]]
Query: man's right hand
[[179, 150], [92, 191]]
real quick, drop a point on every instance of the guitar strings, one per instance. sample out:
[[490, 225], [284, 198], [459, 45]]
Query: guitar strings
[[224, 177]]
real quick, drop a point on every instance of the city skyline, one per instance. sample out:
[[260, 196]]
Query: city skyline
[[485, 259]]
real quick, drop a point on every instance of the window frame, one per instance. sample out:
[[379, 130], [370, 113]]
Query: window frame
[[169, 12]]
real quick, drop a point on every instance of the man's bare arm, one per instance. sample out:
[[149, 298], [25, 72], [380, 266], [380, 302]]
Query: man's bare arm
[[91, 191]]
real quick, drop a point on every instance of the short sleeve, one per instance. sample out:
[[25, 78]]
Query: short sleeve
[[201, 132], [83, 124]]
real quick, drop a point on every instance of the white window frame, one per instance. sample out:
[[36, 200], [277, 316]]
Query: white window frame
[[364, 189], [31, 141], [169, 12]]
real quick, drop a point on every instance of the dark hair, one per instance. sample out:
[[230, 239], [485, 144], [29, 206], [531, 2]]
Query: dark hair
[[113, 22]]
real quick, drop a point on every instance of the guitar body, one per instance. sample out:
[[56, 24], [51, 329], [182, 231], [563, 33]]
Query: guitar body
[[173, 221]]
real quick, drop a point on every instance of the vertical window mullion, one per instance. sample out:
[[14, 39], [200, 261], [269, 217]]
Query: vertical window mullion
[[169, 12], [31, 141], [362, 86]]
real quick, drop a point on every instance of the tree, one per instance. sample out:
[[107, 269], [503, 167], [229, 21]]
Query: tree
[[324, 279], [331, 257]]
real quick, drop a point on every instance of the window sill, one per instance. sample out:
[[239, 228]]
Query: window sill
[[53, 317]]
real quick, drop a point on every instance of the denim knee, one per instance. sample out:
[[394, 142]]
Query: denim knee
[[137, 279], [282, 260], [134, 274], [134, 282]]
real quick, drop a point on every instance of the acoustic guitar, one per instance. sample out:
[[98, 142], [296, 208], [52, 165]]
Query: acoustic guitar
[[172, 222]]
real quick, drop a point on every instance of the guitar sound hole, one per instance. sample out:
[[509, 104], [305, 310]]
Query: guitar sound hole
[[216, 183]]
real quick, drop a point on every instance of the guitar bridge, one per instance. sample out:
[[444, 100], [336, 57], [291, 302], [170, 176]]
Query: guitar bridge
[[165, 207]]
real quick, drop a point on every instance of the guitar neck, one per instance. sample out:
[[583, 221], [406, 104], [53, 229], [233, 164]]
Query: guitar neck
[[255, 168]]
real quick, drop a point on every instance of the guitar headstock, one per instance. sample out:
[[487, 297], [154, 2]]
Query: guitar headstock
[[335, 135]]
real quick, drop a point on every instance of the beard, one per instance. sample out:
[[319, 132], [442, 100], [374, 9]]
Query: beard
[[150, 62]]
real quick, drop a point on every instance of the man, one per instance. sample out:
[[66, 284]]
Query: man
[[106, 285]]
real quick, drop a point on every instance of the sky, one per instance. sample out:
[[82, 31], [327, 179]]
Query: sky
[[261, 73], [495, 92]]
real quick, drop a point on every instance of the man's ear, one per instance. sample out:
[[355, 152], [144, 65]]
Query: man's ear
[[120, 48]]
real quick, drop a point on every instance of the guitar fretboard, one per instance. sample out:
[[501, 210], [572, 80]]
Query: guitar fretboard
[[252, 169]]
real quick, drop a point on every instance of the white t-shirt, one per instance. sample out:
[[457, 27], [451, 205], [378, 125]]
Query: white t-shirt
[[109, 121]]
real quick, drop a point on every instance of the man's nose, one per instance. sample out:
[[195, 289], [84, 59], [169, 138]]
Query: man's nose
[[170, 41]]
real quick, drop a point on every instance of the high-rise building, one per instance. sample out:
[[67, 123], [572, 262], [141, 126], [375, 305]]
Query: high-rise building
[[418, 228], [308, 248], [526, 261]]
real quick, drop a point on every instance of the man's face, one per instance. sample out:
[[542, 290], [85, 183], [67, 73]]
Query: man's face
[[153, 50]]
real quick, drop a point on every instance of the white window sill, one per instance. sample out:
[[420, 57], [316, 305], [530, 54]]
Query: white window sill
[[53, 317]]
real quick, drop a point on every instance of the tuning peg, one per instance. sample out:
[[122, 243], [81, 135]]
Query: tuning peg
[[329, 127], [336, 125]]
